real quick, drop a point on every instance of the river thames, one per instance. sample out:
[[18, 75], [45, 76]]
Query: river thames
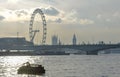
[[105, 65]]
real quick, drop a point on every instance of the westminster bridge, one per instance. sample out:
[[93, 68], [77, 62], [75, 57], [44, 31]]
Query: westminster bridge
[[88, 49]]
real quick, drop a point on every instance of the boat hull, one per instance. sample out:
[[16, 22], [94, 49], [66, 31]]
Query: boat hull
[[31, 70]]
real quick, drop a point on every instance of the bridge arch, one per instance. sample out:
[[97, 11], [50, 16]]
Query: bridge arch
[[101, 48]]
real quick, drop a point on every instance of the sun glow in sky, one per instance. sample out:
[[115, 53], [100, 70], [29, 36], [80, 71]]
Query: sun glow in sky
[[91, 20], [13, 1]]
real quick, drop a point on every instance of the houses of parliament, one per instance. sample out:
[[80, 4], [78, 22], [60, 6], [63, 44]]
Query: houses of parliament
[[56, 41]]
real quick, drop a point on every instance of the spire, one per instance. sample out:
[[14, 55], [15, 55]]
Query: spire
[[74, 39], [59, 42]]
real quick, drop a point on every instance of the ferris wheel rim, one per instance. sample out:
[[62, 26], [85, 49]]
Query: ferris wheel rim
[[43, 24]]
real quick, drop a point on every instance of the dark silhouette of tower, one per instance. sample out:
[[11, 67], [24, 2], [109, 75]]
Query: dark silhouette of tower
[[54, 40], [74, 40], [59, 42]]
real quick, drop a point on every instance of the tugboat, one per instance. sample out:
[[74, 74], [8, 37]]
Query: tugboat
[[33, 69]]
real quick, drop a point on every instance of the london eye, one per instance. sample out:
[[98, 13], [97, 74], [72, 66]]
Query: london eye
[[42, 31]]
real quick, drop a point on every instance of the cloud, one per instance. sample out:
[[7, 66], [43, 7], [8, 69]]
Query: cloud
[[3, 1], [59, 20], [86, 21], [25, 14], [21, 12], [55, 21], [74, 17], [116, 14], [1, 18], [99, 16], [51, 11]]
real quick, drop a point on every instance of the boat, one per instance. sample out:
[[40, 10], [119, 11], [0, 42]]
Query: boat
[[33, 69]]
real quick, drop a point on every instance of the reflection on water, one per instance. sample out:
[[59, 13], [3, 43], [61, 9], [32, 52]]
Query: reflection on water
[[13, 61], [10, 64], [65, 66]]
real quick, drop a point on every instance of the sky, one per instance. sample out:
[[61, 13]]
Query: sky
[[90, 20]]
